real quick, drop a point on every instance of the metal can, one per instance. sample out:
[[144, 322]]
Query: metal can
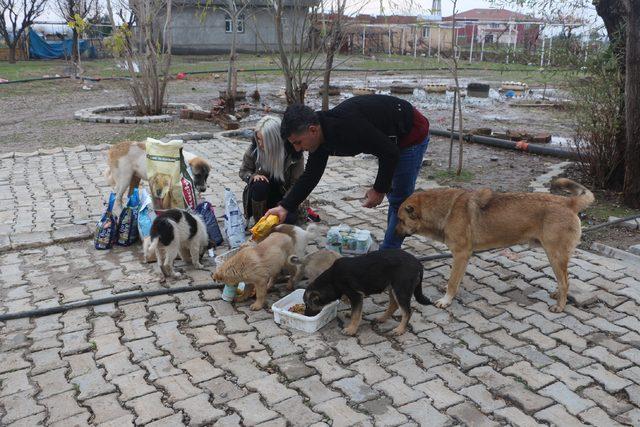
[[229, 293]]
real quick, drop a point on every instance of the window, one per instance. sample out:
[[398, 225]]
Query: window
[[228, 24], [426, 32], [488, 38], [495, 25]]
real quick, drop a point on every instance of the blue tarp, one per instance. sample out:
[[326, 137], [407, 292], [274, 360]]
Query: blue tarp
[[42, 49]]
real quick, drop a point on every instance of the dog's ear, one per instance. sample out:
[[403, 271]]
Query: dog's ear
[[411, 211], [313, 298]]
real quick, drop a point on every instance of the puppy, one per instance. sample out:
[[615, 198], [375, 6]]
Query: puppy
[[301, 239], [257, 266], [178, 231], [128, 162], [372, 273], [311, 266], [468, 221]]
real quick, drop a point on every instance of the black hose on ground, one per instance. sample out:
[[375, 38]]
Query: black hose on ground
[[107, 300], [513, 145]]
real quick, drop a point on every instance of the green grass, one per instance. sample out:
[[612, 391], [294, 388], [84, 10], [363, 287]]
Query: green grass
[[445, 176], [140, 134], [603, 210], [218, 63]]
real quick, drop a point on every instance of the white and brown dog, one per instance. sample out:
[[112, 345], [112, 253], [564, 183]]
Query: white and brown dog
[[178, 231], [128, 162]]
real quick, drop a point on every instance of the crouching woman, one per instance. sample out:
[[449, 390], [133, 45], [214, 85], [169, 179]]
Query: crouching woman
[[270, 167]]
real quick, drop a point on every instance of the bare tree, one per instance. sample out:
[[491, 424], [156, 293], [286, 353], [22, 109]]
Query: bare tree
[[622, 22], [296, 63], [148, 61], [457, 99], [234, 10], [16, 16], [335, 38], [76, 12]]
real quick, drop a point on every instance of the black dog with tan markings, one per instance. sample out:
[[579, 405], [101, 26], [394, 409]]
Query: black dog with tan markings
[[373, 273]]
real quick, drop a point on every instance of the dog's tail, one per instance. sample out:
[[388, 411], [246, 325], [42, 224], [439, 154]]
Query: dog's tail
[[417, 292], [581, 196]]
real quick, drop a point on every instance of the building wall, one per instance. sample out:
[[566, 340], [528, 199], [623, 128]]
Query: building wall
[[194, 33]]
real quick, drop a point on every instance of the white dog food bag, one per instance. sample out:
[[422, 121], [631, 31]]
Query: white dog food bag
[[234, 223]]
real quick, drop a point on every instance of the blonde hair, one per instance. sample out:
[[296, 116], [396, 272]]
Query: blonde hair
[[271, 158]]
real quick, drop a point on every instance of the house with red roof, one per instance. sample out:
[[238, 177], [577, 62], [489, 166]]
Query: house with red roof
[[499, 26]]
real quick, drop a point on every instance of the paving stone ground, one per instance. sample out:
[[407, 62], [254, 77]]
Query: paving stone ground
[[497, 356]]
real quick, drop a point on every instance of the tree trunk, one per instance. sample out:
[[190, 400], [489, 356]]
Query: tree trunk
[[613, 15], [631, 188], [12, 53], [327, 78], [75, 48]]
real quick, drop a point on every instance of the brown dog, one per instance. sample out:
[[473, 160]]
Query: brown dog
[[468, 221], [258, 266]]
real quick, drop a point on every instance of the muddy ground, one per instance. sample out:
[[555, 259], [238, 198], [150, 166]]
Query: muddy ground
[[40, 115]]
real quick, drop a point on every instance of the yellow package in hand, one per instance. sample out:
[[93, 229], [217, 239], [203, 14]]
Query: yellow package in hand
[[264, 226]]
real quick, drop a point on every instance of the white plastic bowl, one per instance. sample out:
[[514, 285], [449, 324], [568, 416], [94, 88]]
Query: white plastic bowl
[[283, 316]]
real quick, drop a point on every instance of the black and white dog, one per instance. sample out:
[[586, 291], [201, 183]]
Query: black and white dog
[[178, 231]]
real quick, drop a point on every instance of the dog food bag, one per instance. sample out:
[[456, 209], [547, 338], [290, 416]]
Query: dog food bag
[[128, 221], [264, 226], [188, 187], [206, 212], [234, 223], [106, 228], [164, 173], [146, 214]]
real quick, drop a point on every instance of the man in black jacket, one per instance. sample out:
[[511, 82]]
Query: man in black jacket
[[390, 128]]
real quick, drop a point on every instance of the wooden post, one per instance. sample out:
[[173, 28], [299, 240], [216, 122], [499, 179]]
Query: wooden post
[[482, 48], [389, 40], [364, 29], [429, 42], [542, 53], [549, 54], [402, 41], [509, 42], [439, 41], [415, 41], [473, 36]]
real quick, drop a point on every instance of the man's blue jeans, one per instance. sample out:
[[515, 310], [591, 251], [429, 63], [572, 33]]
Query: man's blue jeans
[[402, 186]]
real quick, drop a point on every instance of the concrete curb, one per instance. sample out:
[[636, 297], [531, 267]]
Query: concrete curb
[[93, 114], [54, 151], [39, 239], [615, 253]]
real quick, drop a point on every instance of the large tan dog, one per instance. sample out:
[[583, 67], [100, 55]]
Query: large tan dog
[[468, 221]]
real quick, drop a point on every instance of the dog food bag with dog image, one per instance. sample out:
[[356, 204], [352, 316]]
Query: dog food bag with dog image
[[106, 228], [128, 222], [234, 223], [206, 212], [164, 173]]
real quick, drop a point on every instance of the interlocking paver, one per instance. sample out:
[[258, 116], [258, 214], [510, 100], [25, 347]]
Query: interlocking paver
[[192, 357]]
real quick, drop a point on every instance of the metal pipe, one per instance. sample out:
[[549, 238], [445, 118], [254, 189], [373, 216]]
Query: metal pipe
[[513, 145]]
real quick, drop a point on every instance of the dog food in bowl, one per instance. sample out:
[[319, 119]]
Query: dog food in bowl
[[297, 308]]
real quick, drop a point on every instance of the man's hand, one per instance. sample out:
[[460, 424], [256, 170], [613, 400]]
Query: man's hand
[[372, 198], [279, 211], [260, 178]]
